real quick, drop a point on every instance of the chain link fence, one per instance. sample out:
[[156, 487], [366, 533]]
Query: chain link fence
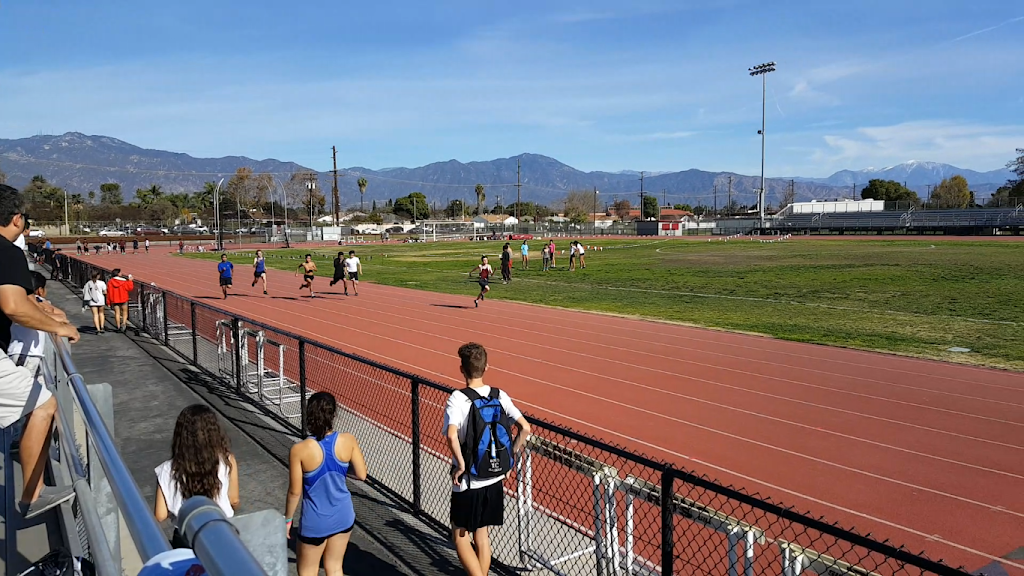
[[574, 504]]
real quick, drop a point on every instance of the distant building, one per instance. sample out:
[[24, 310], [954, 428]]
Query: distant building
[[837, 206], [487, 220], [666, 214]]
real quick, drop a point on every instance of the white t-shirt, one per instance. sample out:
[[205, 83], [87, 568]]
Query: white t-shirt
[[456, 411], [579, 249], [95, 293], [352, 264], [26, 340], [147, 242], [20, 242], [172, 495]]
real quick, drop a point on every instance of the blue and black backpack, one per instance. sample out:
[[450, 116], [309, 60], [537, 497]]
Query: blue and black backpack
[[488, 447]]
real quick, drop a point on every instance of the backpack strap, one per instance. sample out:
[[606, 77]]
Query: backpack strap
[[494, 394], [473, 395]]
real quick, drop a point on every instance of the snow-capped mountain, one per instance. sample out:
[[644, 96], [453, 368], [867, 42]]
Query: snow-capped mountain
[[914, 174]]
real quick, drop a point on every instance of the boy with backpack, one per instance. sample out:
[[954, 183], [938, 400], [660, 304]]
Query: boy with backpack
[[478, 423]]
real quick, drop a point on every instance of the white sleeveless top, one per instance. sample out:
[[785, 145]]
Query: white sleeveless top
[[172, 495]]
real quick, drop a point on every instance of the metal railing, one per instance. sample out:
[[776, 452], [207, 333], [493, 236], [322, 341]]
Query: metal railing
[[105, 488], [577, 505]]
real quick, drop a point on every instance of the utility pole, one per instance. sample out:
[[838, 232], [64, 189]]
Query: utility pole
[[715, 188], [792, 192], [595, 208], [67, 223], [929, 198], [641, 196], [519, 190], [311, 185], [728, 207], [854, 197], [335, 197]]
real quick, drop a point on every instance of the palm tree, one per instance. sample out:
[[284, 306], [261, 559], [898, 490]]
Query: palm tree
[[204, 198], [362, 183], [481, 197], [92, 196]]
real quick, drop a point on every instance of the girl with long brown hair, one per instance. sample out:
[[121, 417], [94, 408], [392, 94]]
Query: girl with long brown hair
[[201, 464]]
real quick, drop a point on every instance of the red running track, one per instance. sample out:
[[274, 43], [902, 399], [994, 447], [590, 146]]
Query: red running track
[[924, 453]]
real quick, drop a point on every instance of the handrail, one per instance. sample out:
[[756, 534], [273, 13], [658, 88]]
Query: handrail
[[215, 540], [145, 531]]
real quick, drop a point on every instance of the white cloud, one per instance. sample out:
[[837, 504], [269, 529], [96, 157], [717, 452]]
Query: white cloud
[[974, 145]]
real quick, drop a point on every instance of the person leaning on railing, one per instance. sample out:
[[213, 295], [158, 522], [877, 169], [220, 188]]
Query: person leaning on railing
[[20, 393]]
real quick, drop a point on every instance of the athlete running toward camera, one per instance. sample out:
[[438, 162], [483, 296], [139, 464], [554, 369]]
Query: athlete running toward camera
[[308, 274], [354, 268], [260, 270], [484, 272], [339, 270], [225, 268]]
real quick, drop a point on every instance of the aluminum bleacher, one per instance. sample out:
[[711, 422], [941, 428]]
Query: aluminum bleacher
[[956, 222]]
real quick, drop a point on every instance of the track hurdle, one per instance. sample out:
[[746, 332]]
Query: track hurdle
[[225, 349], [274, 386], [251, 373], [604, 516], [796, 560], [735, 530]]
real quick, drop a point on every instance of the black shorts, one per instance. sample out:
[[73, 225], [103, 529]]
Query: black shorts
[[353, 276], [338, 276], [225, 281], [475, 509], [308, 277], [311, 541], [483, 282], [258, 275]]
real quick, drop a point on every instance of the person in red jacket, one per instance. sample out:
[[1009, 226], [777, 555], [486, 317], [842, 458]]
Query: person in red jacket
[[117, 296]]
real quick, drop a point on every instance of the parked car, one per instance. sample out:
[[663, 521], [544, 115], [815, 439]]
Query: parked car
[[108, 232], [184, 231], [36, 234], [201, 229], [148, 231]]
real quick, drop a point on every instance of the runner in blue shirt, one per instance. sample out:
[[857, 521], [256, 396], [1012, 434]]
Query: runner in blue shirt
[[260, 265], [225, 269]]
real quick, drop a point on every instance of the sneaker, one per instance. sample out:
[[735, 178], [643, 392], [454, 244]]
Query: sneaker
[[264, 292], [49, 498], [476, 303]]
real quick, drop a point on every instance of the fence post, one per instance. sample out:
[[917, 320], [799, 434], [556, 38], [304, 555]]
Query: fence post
[[195, 339], [236, 346], [163, 309], [417, 480], [668, 490], [142, 305], [302, 389]]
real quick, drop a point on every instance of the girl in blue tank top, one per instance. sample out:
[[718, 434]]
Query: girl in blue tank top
[[318, 467]]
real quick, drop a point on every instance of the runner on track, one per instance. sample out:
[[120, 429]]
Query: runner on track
[[339, 270], [308, 274], [354, 268], [225, 268], [260, 270], [484, 272]]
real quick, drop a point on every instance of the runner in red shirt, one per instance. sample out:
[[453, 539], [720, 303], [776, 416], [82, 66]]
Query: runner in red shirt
[[484, 272]]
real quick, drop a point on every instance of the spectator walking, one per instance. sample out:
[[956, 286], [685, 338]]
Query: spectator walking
[[117, 294], [201, 464], [181, 246], [95, 296], [147, 245], [135, 246], [78, 246], [317, 469], [478, 428], [121, 246], [20, 393]]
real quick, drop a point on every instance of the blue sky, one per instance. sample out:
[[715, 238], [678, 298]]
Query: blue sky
[[601, 85]]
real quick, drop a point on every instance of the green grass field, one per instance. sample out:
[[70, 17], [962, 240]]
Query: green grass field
[[909, 297]]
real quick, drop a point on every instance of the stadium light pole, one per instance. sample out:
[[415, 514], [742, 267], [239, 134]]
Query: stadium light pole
[[762, 70], [216, 216]]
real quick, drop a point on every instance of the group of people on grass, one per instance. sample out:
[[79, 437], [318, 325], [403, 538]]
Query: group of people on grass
[[484, 271], [478, 429], [346, 269]]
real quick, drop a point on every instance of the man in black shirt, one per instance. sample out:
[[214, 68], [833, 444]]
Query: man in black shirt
[[20, 393]]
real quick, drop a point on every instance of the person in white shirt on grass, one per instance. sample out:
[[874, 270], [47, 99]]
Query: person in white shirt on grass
[[479, 464]]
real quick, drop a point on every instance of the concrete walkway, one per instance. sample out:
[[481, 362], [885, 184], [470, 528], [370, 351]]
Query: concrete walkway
[[151, 385]]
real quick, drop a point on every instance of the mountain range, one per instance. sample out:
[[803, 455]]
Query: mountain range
[[81, 163]]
